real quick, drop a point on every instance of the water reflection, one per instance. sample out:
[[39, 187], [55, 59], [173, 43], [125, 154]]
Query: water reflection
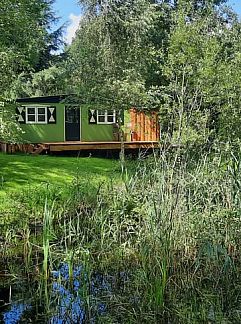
[[70, 307], [15, 314], [71, 295]]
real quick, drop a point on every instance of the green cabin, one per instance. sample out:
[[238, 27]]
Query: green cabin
[[52, 119], [61, 122]]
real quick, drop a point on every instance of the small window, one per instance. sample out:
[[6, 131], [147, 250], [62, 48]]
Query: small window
[[106, 116], [36, 115]]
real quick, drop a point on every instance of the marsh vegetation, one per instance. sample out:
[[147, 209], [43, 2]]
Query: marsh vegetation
[[161, 245]]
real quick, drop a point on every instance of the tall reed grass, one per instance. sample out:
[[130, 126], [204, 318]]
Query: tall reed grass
[[173, 226]]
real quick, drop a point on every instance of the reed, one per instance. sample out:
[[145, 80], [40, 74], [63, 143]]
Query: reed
[[157, 225], [47, 236]]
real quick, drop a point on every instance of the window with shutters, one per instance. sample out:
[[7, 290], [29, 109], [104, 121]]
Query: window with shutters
[[36, 115], [106, 116]]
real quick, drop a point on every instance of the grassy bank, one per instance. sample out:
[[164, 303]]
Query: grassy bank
[[26, 181]]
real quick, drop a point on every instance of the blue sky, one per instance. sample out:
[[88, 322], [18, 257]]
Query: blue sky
[[236, 4], [69, 11]]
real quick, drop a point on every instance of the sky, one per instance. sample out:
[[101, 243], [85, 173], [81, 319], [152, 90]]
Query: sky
[[236, 4], [70, 12]]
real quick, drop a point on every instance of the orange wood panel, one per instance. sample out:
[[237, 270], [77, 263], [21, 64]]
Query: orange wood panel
[[153, 125], [138, 121], [145, 129], [148, 128], [143, 119], [133, 123], [144, 126], [140, 126], [158, 130]]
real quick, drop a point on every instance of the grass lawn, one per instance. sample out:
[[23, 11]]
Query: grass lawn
[[33, 174], [17, 171]]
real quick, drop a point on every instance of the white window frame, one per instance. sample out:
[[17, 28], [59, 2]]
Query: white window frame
[[36, 121], [106, 117]]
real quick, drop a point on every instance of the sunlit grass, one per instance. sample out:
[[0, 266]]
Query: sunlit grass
[[33, 177], [18, 171]]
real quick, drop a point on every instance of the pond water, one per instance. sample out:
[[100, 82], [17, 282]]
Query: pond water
[[70, 296]]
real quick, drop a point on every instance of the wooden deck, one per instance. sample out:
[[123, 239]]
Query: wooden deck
[[76, 146], [80, 146]]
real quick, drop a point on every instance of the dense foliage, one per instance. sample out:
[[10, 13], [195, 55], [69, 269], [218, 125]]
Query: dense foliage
[[10, 130], [26, 48], [180, 58], [200, 99], [25, 41], [107, 60]]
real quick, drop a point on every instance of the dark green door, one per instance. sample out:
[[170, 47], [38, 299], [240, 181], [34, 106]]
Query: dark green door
[[72, 124]]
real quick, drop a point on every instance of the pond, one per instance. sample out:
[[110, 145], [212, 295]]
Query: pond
[[70, 295]]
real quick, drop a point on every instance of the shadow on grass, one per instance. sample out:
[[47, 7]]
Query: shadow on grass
[[17, 171]]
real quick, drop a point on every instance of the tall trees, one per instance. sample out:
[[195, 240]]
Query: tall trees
[[124, 45], [24, 38], [201, 69], [176, 56], [107, 60], [25, 47]]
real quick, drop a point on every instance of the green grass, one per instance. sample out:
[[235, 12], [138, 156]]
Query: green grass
[[19, 171], [26, 181]]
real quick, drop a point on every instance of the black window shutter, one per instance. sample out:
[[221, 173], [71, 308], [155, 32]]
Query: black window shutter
[[51, 115], [92, 116], [21, 114]]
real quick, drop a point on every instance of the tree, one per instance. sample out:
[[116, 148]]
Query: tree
[[107, 60], [10, 130], [202, 77], [24, 38], [25, 47], [121, 47]]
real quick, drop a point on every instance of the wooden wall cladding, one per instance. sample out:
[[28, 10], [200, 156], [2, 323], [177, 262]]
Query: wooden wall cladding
[[144, 126], [23, 148]]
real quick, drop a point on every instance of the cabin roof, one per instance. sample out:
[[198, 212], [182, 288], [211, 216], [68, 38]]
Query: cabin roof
[[45, 99]]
